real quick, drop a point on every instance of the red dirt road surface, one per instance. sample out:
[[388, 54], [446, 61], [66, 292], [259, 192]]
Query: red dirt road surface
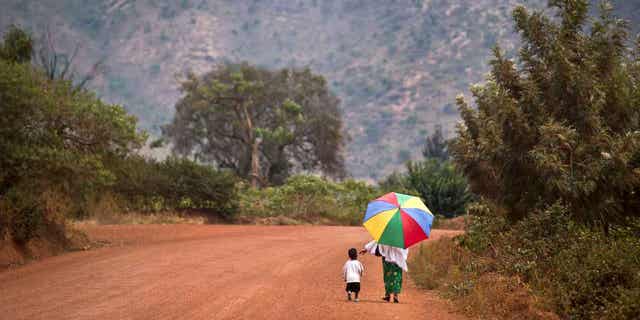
[[210, 272]]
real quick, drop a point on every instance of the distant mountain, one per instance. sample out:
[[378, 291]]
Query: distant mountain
[[396, 64]]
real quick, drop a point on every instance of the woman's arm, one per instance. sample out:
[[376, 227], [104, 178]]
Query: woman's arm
[[370, 247]]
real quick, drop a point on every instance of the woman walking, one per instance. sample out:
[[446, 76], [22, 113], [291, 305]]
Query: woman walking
[[394, 261]]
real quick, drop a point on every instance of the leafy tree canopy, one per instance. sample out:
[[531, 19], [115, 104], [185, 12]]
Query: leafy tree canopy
[[435, 146], [49, 130], [560, 124], [17, 46], [263, 124]]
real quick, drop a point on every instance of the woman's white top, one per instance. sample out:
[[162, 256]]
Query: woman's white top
[[390, 254], [352, 271]]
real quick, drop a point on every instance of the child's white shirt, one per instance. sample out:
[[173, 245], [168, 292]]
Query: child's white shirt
[[352, 271]]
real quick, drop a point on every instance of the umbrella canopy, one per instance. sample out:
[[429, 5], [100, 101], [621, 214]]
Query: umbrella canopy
[[398, 220]]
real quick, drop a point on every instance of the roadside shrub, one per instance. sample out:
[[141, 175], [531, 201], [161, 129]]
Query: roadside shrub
[[482, 229], [26, 220], [440, 264], [457, 223], [396, 182], [551, 143], [527, 249], [196, 186], [54, 138], [577, 271], [468, 279], [29, 212], [147, 185], [445, 191], [598, 277], [310, 199]]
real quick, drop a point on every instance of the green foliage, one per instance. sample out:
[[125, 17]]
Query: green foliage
[[146, 185], [64, 150], [24, 215], [17, 46], [598, 277], [435, 179], [444, 189], [436, 147], [583, 273], [529, 246], [53, 136], [50, 130], [561, 124], [553, 149], [482, 228], [309, 199], [396, 182], [262, 124]]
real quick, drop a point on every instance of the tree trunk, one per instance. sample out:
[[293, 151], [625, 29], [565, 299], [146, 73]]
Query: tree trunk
[[255, 147], [255, 162]]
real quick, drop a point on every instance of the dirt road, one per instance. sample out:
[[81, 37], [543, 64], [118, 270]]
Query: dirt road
[[209, 272]]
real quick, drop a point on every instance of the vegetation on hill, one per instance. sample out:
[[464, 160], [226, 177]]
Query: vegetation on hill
[[553, 150], [393, 64]]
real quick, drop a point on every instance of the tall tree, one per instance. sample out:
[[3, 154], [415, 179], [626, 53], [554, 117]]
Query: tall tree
[[50, 130], [17, 46], [562, 124], [435, 146], [59, 65], [263, 124]]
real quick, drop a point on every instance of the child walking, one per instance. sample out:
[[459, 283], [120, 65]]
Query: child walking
[[352, 271]]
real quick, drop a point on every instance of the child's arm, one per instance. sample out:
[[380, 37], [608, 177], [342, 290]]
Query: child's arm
[[344, 272]]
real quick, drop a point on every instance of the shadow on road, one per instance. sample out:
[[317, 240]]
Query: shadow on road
[[368, 301]]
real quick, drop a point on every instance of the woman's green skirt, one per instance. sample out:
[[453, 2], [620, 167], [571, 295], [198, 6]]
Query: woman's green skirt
[[392, 277]]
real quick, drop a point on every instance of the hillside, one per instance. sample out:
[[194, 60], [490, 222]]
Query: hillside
[[397, 65]]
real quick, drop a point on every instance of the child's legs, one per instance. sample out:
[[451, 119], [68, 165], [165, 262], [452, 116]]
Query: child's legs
[[353, 287]]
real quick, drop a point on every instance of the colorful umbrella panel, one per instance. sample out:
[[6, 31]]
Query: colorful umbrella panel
[[398, 220]]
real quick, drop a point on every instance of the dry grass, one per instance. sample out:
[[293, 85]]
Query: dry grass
[[457, 223], [438, 263], [495, 296], [444, 266], [107, 210], [144, 218], [280, 220]]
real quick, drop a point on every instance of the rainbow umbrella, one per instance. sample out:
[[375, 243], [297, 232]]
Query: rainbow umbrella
[[398, 220]]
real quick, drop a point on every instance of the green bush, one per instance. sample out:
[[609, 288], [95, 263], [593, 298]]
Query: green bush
[[193, 185], [309, 199], [528, 248], [551, 143], [147, 185], [26, 218], [444, 190], [34, 210], [598, 277], [54, 138], [396, 182], [581, 272], [483, 227]]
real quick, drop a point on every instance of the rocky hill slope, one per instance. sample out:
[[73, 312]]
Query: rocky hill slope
[[396, 64]]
